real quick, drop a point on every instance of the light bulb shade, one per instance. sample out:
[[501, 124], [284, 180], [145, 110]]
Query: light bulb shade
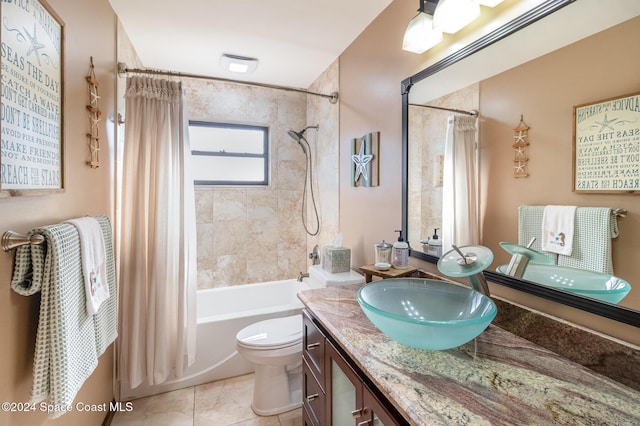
[[490, 3], [420, 35], [453, 15]]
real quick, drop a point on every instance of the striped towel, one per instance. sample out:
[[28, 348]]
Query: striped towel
[[68, 341]]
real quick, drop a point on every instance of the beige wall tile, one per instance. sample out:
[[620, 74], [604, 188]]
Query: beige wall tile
[[253, 234]]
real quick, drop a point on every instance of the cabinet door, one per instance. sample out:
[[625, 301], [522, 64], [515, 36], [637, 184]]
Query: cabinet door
[[344, 391], [313, 344], [313, 397], [306, 419], [374, 414]]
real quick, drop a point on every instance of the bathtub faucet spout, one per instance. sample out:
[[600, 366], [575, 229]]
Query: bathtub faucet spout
[[302, 275]]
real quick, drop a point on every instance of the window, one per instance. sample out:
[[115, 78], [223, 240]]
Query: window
[[229, 154]]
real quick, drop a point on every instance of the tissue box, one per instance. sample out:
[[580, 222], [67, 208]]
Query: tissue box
[[336, 259]]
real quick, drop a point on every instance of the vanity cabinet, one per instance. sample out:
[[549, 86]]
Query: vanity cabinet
[[334, 394]]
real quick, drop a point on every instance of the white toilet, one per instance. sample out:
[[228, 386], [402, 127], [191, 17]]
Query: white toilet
[[274, 346]]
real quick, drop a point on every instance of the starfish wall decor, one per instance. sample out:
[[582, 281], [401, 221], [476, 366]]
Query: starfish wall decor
[[94, 118], [365, 167], [521, 147]]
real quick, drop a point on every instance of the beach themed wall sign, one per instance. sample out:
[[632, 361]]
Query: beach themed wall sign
[[606, 145], [365, 160], [32, 98]]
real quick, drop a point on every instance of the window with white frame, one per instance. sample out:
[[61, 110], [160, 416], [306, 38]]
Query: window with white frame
[[229, 154]]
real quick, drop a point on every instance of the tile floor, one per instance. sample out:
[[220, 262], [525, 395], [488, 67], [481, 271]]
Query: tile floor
[[221, 403]]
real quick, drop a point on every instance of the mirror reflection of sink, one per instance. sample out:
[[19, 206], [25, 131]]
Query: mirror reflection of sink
[[426, 314], [596, 285]]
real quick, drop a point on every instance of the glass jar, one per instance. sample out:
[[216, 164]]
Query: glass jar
[[383, 252]]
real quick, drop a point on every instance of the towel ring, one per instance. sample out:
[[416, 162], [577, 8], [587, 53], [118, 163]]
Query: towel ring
[[11, 240]]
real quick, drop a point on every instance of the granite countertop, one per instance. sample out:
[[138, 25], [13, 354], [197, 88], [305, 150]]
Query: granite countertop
[[499, 378]]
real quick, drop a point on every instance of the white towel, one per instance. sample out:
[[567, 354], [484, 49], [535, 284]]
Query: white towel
[[92, 251], [558, 224]]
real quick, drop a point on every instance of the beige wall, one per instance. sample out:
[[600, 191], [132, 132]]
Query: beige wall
[[545, 91], [89, 31], [371, 70]]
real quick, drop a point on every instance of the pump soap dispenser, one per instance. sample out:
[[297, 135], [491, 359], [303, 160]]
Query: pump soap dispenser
[[434, 245], [400, 253]]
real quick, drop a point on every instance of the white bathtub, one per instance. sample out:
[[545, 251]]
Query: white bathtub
[[222, 312]]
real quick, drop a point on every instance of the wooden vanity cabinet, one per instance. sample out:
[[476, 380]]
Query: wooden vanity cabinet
[[333, 393]]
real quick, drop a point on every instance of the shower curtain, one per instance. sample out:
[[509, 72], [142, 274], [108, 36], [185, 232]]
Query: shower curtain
[[158, 236], [460, 183]]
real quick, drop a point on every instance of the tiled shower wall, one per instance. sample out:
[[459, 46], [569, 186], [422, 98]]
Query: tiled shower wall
[[255, 234], [325, 151], [427, 135]]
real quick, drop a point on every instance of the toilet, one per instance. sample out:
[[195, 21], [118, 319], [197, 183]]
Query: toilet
[[274, 346]]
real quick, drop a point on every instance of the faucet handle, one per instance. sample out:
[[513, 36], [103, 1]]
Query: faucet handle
[[315, 255]]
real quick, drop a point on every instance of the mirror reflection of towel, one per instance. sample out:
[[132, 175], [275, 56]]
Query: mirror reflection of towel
[[558, 224]]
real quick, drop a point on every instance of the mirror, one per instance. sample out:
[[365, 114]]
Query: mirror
[[455, 82]]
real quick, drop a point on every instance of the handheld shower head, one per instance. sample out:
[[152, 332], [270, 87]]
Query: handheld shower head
[[297, 136], [308, 176]]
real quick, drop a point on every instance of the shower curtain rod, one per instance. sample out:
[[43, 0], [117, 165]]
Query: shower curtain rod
[[122, 69], [473, 113]]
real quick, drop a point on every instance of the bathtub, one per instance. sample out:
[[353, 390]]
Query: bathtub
[[221, 313]]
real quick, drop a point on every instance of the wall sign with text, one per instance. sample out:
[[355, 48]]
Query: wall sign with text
[[606, 145], [31, 73]]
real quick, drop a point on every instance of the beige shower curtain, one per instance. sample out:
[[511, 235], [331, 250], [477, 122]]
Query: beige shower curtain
[[460, 213], [157, 247]]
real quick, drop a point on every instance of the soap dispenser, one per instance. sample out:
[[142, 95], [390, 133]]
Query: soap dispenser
[[434, 247], [400, 253]]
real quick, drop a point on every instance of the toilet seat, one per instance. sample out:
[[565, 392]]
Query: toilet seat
[[276, 333]]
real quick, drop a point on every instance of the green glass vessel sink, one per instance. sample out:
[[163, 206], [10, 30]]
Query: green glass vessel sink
[[605, 287], [426, 314]]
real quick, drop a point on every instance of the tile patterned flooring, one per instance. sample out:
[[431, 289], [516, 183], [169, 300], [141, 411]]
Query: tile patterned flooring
[[222, 403]]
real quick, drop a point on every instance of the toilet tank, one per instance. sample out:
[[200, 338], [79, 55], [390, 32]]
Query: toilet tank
[[318, 277]]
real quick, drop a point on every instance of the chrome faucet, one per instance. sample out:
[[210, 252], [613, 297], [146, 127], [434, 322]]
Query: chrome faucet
[[477, 280], [520, 258], [469, 264], [315, 258]]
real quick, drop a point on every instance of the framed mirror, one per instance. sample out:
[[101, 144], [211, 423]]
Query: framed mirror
[[459, 81]]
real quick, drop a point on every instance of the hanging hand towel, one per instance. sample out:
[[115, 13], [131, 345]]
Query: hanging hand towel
[[92, 251], [558, 223], [65, 349]]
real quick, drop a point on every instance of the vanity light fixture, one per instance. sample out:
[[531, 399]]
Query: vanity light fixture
[[238, 64], [451, 16], [420, 35]]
